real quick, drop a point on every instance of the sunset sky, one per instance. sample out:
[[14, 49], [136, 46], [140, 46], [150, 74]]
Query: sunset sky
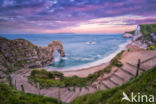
[[74, 16]]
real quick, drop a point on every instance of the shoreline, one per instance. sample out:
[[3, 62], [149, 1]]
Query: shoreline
[[85, 71]]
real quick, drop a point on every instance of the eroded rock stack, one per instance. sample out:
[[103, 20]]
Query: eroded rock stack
[[20, 53]]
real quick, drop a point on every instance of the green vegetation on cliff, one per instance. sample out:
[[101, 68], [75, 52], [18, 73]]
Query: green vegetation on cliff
[[152, 47], [144, 84], [11, 96], [48, 79], [147, 29]]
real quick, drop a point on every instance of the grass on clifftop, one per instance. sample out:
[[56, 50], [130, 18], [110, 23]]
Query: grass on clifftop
[[11, 96], [152, 47], [145, 84], [49, 79], [147, 29]]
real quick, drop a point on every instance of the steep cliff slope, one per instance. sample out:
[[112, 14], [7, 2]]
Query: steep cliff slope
[[20, 53], [145, 37]]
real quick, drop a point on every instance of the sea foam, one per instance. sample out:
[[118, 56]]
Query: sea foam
[[105, 60]]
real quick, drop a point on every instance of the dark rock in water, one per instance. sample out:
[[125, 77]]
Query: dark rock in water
[[20, 53]]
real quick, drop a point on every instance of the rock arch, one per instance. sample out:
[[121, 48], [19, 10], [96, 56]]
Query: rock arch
[[20, 53], [57, 45]]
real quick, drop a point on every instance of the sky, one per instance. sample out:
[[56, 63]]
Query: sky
[[74, 16]]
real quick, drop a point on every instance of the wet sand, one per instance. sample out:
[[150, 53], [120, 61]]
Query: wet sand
[[84, 72]]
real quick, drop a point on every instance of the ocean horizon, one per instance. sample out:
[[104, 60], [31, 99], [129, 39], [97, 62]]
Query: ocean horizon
[[81, 51]]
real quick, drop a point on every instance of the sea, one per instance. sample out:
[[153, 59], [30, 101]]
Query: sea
[[81, 50]]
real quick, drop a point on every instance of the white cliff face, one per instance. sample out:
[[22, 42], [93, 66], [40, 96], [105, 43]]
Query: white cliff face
[[134, 36], [138, 28], [144, 40], [137, 33]]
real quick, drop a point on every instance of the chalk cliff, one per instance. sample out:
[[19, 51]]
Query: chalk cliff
[[20, 53], [144, 35]]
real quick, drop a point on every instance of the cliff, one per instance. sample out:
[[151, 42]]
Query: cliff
[[20, 53], [144, 35]]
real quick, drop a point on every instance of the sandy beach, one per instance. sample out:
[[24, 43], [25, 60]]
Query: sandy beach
[[117, 75], [84, 72]]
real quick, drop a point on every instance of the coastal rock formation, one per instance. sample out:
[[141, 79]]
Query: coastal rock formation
[[20, 53], [153, 35], [144, 35], [127, 35]]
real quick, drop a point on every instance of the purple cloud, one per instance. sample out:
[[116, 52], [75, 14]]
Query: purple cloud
[[57, 14]]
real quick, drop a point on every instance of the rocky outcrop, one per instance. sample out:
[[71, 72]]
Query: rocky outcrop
[[20, 53], [137, 35], [127, 35], [144, 35], [153, 35]]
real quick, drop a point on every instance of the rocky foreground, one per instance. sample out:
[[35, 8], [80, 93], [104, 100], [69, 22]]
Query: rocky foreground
[[20, 53]]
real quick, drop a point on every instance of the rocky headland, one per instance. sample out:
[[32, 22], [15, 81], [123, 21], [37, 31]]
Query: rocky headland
[[20, 53], [17, 54], [144, 36], [127, 35]]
